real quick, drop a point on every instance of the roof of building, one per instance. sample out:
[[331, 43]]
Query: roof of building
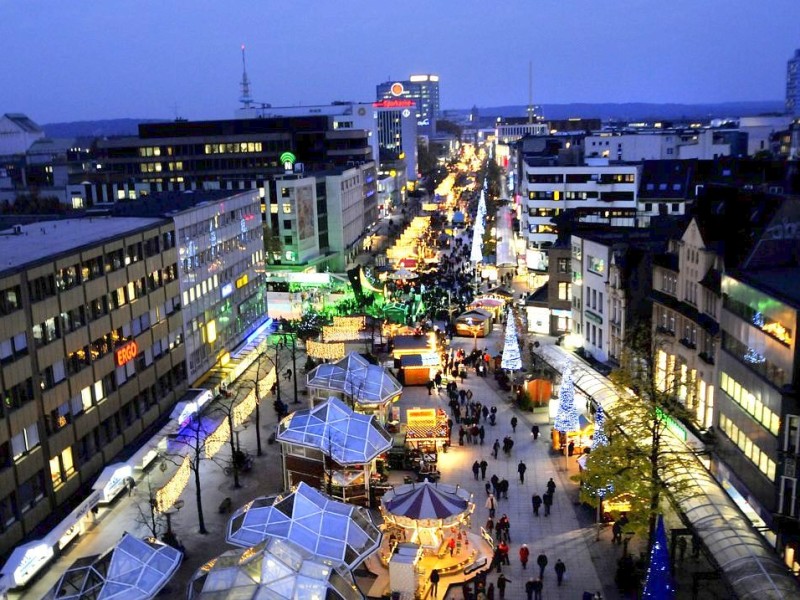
[[667, 179], [780, 283], [23, 122], [348, 437], [162, 204], [134, 568], [356, 377], [329, 529], [46, 240]]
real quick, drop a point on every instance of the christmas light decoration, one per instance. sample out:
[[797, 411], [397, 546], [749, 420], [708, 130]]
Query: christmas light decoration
[[476, 255], [332, 333], [169, 494], [567, 416], [599, 438], [659, 584], [357, 323], [511, 357], [243, 410], [325, 351], [218, 438]]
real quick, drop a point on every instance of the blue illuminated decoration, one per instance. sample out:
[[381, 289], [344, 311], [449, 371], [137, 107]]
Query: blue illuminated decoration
[[754, 357], [758, 319]]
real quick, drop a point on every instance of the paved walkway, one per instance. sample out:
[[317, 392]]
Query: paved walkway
[[561, 535]]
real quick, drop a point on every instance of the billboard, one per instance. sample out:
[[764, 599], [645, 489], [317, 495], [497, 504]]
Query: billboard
[[305, 212]]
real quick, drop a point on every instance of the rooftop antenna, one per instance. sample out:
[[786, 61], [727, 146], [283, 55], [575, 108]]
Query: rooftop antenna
[[246, 99], [530, 91]]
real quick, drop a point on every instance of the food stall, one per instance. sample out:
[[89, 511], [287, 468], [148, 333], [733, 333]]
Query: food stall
[[426, 429], [582, 437], [474, 323]]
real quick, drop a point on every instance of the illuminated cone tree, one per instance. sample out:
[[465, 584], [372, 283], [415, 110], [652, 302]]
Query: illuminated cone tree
[[599, 438], [567, 415], [659, 584], [511, 357]]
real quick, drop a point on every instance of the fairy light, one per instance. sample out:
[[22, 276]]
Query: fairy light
[[326, 351], [244, 409], [218, 438], [334, 333], [357, 323], [169, 494]]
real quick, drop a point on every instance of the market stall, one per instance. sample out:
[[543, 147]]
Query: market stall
[[582, 438], [474, 323], [426, 429]]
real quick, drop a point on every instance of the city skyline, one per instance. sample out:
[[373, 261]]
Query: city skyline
[[88, 61]]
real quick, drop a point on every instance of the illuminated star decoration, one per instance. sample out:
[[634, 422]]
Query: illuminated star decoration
[[659, 584]]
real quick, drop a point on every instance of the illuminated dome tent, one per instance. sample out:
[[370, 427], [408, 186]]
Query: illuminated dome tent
[[332, 448], [331, 530], [426, 509], [276, 569], [134, 568], [370, 388]]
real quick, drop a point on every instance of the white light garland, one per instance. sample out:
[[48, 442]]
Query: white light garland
[[169, 494]]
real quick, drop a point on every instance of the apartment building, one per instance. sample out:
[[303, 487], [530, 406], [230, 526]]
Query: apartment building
[[91, 355]]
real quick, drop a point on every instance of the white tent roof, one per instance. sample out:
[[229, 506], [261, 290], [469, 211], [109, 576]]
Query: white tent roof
[[332, 427], [273, 570], [332, 530], [356, 377], [133, 569]]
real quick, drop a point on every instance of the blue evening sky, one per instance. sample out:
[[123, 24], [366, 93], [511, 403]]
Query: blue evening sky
[[93, 59]]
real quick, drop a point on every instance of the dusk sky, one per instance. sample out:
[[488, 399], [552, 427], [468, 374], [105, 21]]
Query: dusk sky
[[83, 60]]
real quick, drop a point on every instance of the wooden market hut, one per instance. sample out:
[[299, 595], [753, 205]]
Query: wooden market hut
[[474, 323]]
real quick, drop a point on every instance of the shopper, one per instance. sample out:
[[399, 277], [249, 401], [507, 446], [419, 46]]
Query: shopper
[[514, 424], [521, 468], [476, 468], [551, 486], [495, 448], [541, 560], [483, 465], [435, 582], [524, 554], [548, 503], [536, 500], [501, 585], [537, 589], [529, 589], [491, 504], [560, 568], [535, 432]]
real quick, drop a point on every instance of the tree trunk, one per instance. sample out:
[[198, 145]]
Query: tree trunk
[[258, 422], [655, 495], [198, 493], [234, 464]]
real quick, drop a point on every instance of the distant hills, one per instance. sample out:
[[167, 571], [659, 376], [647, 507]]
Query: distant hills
[[637, 111], [633, 111]]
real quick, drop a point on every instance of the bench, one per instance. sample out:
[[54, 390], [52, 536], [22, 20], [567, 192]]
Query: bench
[[225, 506]]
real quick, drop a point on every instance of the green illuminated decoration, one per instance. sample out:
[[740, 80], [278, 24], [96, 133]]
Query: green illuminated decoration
[[288, 159]]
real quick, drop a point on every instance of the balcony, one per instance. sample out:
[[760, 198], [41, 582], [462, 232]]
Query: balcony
[[664, 331], [706, 358], [688, 343]]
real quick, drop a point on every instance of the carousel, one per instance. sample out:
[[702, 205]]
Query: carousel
[[426, 527]]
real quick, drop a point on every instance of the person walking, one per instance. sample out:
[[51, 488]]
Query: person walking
[[560, 568], [524, 554], [541, 560], [451, 545], [503, 547], [529, 589], [548, 503], [537, 589], [490, 526], [491, 504], [495, 448], [535, 432], [502, 487], [514, 424], [551, 486], [501, 585], [476, 468], [483, 465], [488, 487], [490, 592], [481, 434], [536, 500], [521, 468], [435, 582]]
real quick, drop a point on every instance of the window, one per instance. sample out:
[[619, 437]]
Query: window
[[30, 492], [10, 300], [287, 208], [563, 265], [596, 265], [564, 290], [25, 441]]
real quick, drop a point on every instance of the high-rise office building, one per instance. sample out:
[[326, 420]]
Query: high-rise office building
[[424, 90], [793, 84]]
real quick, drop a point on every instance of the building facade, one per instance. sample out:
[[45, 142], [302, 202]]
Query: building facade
[[793, 85], [92, 354], [424, 90]]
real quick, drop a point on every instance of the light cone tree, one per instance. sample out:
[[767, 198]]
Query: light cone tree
[[567, 416], [511, 357], [659, 584], [599, 438]]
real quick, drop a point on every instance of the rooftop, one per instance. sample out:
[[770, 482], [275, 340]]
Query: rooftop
[[162, 203], [39, 241]]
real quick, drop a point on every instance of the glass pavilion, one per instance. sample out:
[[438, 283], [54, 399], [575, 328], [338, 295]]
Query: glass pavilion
[[333, 448], [134, 568], [276, 569], [369, 388], [330, 530]]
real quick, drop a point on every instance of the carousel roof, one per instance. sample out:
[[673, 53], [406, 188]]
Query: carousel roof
[[275, 570], [134, 568], [332, 427], [356, 377], [332, 530], [427, 501]]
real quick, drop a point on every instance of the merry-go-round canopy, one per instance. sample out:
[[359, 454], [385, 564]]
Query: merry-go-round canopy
[[339, 532], [133, 568], [273, 570], [333, 428], [426, 504], [403, 275], [354, 376]]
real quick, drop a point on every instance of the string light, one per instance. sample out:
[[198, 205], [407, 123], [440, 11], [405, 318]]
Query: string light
[[325, 351], [244, 409], [169, 494], [357, 323], [332, 333], [218, 438]]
